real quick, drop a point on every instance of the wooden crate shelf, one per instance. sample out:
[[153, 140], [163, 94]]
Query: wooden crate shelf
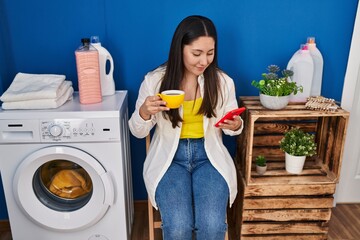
[[292, 237], [280, 205]]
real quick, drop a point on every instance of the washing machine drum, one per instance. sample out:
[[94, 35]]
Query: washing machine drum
[[63, 188], [62, 185]]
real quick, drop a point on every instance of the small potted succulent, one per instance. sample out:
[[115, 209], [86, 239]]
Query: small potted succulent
[[297, 145], [261, 165], [275, 90]]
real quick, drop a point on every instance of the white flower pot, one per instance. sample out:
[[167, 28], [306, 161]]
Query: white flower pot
[[274, 102], [261, 169], [294, 164]]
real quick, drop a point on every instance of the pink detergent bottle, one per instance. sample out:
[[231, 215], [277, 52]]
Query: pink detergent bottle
[[87, 65]]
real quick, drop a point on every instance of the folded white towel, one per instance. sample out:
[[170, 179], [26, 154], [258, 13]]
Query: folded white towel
[[64, 86], [27, 86], [41, 103]]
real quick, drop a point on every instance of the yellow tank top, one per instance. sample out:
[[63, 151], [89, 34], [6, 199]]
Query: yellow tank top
[[192, 125]]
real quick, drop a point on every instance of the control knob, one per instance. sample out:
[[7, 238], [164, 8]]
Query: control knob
[[55, 130]]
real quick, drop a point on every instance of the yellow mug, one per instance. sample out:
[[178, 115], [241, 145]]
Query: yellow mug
[[173, 98]]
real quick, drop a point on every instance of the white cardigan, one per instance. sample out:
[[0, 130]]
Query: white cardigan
[[165, 140]]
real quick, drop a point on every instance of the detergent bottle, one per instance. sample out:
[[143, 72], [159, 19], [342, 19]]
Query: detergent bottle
[[318, 67], [106, 79], [87, 65], [302, 65]]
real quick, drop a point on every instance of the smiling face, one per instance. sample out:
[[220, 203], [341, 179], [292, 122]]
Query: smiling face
[[198, 55]]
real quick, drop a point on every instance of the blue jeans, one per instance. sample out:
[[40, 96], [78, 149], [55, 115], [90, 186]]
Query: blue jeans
[[192, 196]]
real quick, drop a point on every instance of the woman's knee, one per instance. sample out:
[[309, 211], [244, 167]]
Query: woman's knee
[[177, 221], [209, 224], [211, 229], [177, 229]]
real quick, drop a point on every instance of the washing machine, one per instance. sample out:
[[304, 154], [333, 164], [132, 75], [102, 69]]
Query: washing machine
[[66, 172]]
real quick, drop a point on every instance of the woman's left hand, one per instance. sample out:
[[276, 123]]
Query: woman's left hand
[[233, 124]]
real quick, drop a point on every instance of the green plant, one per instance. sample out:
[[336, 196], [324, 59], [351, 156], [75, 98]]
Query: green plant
[[260, 161], [298, 143], [273, 85]]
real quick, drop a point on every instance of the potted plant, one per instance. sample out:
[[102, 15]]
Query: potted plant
[[260, 163], [297, 145], [275, 90]]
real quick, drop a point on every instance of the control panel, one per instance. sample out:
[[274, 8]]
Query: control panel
[[83, 130]]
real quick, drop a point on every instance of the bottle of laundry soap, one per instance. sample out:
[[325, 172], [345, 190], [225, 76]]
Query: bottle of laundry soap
[[106, 79], [302, 65], [87, 65], [318, 67]]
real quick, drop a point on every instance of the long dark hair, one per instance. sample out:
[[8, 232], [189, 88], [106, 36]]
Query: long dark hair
[[190, 29]]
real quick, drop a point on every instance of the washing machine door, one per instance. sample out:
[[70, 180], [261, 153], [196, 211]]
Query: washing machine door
[[63, 188]]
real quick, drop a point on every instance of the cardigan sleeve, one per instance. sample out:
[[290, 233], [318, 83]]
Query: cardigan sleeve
[[139, 127], [230, 101]]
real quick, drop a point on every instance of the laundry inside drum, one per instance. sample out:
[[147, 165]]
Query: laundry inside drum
[[65, 179], [62, 185]]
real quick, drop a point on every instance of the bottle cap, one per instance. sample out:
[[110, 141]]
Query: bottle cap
[[304, 47], [311, 40], [85, 41], [95, 39]]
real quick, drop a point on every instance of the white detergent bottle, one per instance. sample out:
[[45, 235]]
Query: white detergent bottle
[[302, 65], [106, 79], [318, 67]]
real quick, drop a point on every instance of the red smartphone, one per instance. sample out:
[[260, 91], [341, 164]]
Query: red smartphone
[[230, 115]]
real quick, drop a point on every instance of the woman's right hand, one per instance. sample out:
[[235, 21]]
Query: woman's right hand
[[151, 106]]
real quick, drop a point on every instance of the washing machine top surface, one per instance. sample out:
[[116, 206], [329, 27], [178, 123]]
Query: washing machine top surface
[[72, 122], [109, 107]]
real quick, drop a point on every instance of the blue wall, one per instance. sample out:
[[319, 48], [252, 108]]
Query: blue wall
[[41, 36]]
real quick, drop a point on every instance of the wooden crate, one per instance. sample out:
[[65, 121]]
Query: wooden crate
[[280, 205]]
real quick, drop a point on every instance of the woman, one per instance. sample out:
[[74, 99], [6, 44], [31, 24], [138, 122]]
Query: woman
[[188, 172]]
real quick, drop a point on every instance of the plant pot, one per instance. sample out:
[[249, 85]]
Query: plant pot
[[274, 102], [261, 169], [294, 164]]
